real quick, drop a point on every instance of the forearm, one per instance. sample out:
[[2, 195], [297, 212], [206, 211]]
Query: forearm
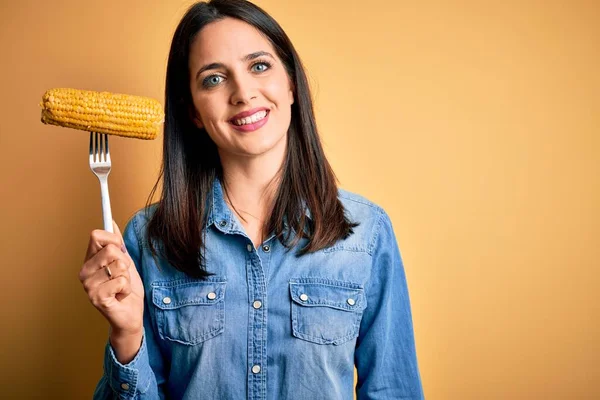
[[125, 345]]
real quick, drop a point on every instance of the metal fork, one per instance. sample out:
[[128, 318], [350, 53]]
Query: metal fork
[[100, 166]]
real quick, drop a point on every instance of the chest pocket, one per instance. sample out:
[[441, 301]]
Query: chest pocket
[[189, 312], [326, 312]]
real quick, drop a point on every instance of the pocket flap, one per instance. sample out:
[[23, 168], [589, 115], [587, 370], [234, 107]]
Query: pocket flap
[[342, 296], [175, 294]]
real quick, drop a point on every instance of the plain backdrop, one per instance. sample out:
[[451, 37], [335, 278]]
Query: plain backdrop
[[475, 124]]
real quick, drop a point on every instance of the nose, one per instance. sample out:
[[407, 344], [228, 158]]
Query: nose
[[243, 89]]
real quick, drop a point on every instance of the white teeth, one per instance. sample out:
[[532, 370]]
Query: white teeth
[[251, 119]]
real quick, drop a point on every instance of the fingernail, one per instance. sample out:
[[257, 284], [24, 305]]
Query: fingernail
[[123, 248]]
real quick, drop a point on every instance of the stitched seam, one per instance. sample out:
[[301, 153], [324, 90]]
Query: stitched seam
[[326, 282], [189, 303], [337, 305], [188, 282], [147, 386], [197, 340], [359, 200], [340, 247], [325, 341], [377, 232], [136, 231]]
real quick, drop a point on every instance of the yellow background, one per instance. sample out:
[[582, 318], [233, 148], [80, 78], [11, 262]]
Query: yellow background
[[475, 124]]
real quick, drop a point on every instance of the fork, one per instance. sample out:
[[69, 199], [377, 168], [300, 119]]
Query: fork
[[100, 166]]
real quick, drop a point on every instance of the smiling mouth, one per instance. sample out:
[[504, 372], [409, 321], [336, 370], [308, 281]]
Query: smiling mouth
[[252, 119]]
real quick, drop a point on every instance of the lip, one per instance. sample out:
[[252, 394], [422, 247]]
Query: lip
[[254, 126], [244, 114]]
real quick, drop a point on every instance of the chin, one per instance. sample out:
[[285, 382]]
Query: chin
[[257, 149]]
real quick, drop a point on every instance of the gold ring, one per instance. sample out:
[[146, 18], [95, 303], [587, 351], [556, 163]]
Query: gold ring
[[108, 272]]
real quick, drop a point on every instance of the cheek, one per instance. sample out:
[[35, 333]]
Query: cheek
[[280, 93], [204, 109]]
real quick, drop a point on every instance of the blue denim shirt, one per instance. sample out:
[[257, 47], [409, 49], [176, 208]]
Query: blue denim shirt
[[269, 325]]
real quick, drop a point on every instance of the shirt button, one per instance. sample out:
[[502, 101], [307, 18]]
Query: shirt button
[[303, 297], [124, 386], [212, 296], [223, 223], [249, 247], [351, 302], [256, 369], [266, 248], [167, 300], [257, 304]]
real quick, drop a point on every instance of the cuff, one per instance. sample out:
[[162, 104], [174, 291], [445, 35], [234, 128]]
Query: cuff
[[126, 380]]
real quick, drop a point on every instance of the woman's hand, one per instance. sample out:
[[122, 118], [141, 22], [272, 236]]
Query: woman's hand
[[114, 287]]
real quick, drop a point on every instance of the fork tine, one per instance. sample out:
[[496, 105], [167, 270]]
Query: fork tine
[[107, 153], [95, 146], [98, 147], [105, 145], [91, 146], [102, 147]]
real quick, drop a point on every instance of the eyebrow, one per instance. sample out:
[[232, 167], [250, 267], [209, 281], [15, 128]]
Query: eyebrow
[[246, 58]]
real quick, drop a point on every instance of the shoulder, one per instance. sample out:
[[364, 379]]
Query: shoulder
[[370, 217], [136, 224], [359, 206], [143, 215]]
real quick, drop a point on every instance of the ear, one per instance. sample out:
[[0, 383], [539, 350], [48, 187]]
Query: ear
[[291, 92], [195, 117]]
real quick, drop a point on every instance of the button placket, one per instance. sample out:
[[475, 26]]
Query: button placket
[[257, 351]]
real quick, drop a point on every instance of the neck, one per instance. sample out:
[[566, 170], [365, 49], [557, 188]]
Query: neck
[[250, 184]]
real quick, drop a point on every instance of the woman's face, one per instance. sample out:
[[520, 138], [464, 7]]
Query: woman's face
[[241, 92]]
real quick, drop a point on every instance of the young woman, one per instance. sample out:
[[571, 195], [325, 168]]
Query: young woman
[[254, 276]]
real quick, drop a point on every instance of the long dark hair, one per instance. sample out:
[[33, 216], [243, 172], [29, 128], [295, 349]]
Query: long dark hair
[[191, 162]]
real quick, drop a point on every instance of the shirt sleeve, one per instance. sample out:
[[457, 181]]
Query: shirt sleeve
[[385, 355], [143, 378]]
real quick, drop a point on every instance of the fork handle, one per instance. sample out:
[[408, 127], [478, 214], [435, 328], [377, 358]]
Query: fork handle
[[106, 213]]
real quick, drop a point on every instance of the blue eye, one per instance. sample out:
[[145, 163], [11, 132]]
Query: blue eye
[[212, 80], [261, 66]]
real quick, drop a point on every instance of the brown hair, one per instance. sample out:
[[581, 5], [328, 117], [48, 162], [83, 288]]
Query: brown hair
[[191, 162]]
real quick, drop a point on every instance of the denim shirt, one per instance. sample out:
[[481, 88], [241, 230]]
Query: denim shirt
[[269, 325]]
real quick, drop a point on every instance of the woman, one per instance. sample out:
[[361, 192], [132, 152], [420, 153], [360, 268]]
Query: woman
[[254, 276]]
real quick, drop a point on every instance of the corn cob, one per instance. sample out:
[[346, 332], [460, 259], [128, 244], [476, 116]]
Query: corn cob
[[115, 114]]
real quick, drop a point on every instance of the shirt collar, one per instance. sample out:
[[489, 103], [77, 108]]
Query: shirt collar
[[219, 213]]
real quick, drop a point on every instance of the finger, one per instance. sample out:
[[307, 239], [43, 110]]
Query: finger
[[125, 291], [105, 256], [117, 268], [114, 289], [99, 238]]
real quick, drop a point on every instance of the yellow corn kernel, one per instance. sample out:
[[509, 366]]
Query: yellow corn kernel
[[104, 112]]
